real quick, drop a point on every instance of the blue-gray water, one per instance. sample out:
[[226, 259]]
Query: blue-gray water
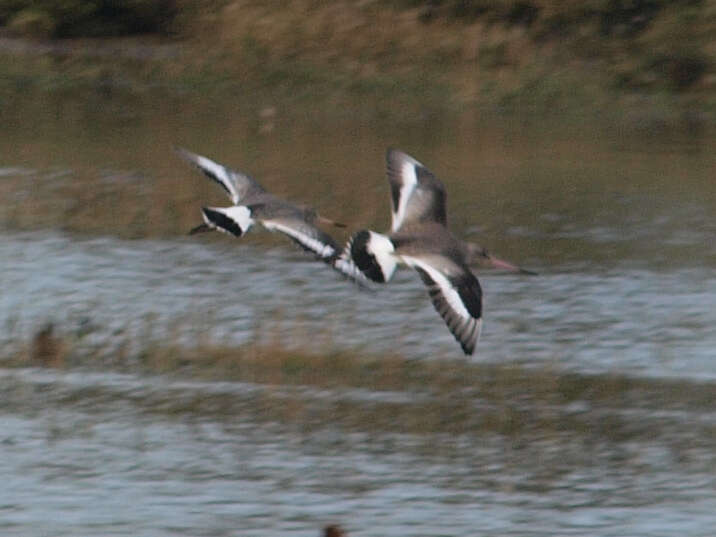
[[110, 454], [82, 455], [619, 225], [104, 292]]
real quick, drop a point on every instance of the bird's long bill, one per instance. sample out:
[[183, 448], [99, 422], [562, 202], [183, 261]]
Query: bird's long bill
[[504, 265], [201, 228], [328, 221]]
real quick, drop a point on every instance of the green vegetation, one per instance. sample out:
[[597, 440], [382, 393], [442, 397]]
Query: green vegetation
[[73, 18], [650, 43], [542, 55]]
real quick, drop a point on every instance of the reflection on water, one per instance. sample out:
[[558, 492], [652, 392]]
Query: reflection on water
[[107, 454], [542, 194], [619, 223]]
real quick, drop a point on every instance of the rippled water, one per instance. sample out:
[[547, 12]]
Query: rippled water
[[104, 292], [619, 224], [104, 454]]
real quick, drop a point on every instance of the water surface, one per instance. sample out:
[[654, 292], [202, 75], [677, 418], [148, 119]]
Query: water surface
[[103, 454], [106, 292], [618, 221]]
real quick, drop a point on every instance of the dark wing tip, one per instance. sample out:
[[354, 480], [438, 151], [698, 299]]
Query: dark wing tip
[[466, 331], [201, 228]]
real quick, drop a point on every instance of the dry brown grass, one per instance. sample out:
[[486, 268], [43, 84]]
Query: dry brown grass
[[364, 41], [303, 362], [355, 391], [480, 51], [47, 348], [404, 57]]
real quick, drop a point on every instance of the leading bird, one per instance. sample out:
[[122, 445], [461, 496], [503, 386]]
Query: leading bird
[[419, 238]]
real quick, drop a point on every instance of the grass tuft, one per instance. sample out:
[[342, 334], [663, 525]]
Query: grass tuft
[[354, 391]]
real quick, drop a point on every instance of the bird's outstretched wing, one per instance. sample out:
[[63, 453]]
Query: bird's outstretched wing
[[455, 294], [307, 236], [235, 220], [320, 243], [236, 184], [416, 194]]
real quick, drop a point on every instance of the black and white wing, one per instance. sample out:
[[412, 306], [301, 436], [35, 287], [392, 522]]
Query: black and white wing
[[313, 240], [235, 220], [346, 265], [416, 194], [236, 184], [368, 256], [456, 295], [307, 236]]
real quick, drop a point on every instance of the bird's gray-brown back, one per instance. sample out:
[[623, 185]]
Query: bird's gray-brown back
[[265, 205], [429, 238]]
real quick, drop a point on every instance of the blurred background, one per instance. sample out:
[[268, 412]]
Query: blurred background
[[158, 384]]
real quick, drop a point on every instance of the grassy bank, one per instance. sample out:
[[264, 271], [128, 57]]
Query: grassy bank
[[535, 56], [269, 360], [388, 392]]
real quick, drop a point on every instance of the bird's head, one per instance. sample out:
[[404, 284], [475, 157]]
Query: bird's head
[[479, 255]]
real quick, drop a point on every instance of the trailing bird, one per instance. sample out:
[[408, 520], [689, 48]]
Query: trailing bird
[[253, 204]]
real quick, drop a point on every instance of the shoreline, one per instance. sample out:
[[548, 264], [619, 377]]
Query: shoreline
[[141, 68]]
